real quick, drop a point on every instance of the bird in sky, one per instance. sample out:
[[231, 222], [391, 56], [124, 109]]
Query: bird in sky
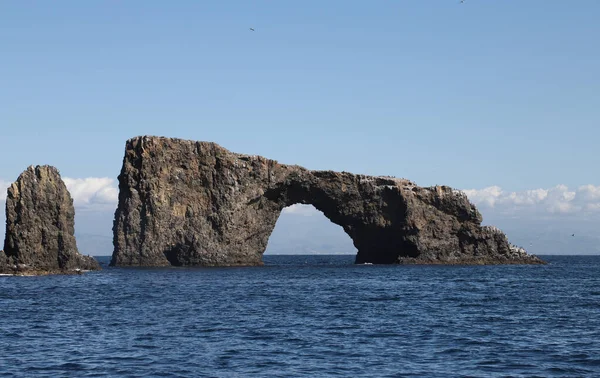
[[573, 235], [251, 29]]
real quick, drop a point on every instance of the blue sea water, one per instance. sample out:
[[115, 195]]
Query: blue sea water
[[301, 316]]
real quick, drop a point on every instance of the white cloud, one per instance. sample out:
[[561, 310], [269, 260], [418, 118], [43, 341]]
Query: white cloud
[[93, 192], [300, 209], [101, 193], [3, 187], [90, 193], [557, 200], [590, 193], [486, 196]]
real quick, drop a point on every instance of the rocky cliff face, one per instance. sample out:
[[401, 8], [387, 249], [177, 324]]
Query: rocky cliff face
[[195, 203], [40, 221]]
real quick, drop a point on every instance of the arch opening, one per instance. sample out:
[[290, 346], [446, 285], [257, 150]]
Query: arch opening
[[303, 230]]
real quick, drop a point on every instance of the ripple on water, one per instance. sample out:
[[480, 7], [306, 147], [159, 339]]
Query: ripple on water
[[306, 316]]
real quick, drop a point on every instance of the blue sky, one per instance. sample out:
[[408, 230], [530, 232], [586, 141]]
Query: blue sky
[[473, 95]]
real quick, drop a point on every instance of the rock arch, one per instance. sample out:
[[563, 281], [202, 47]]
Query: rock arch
[[195, 203]]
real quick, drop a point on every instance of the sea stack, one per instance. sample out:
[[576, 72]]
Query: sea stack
[[187, 203], [40, 226]]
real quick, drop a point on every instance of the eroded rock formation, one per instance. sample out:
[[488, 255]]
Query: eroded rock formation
[[40, 221], [195, 203]]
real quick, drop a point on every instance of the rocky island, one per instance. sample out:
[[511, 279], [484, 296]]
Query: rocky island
[[187, 203], [40, 227]]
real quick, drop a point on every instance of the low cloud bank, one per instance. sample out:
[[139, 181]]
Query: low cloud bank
[[93, 193], [101, 193], [299, 209], [559, 200], [3, 187], [542, 220]]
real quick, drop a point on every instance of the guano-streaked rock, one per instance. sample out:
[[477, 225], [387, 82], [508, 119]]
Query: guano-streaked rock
[[189, 203]]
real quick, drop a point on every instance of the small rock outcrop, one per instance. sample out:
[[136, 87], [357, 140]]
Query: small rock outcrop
[[40, 225], [195, 203]]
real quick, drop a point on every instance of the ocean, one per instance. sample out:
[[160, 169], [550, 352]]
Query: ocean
[[306, 316]]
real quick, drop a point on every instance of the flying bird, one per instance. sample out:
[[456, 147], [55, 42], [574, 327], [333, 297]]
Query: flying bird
[[251, 29], [573, 235]]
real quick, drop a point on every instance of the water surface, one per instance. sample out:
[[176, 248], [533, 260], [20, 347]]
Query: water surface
[[306, 316]]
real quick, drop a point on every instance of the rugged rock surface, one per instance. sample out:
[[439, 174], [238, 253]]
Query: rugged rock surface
[[40, 223], [195, 203]]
